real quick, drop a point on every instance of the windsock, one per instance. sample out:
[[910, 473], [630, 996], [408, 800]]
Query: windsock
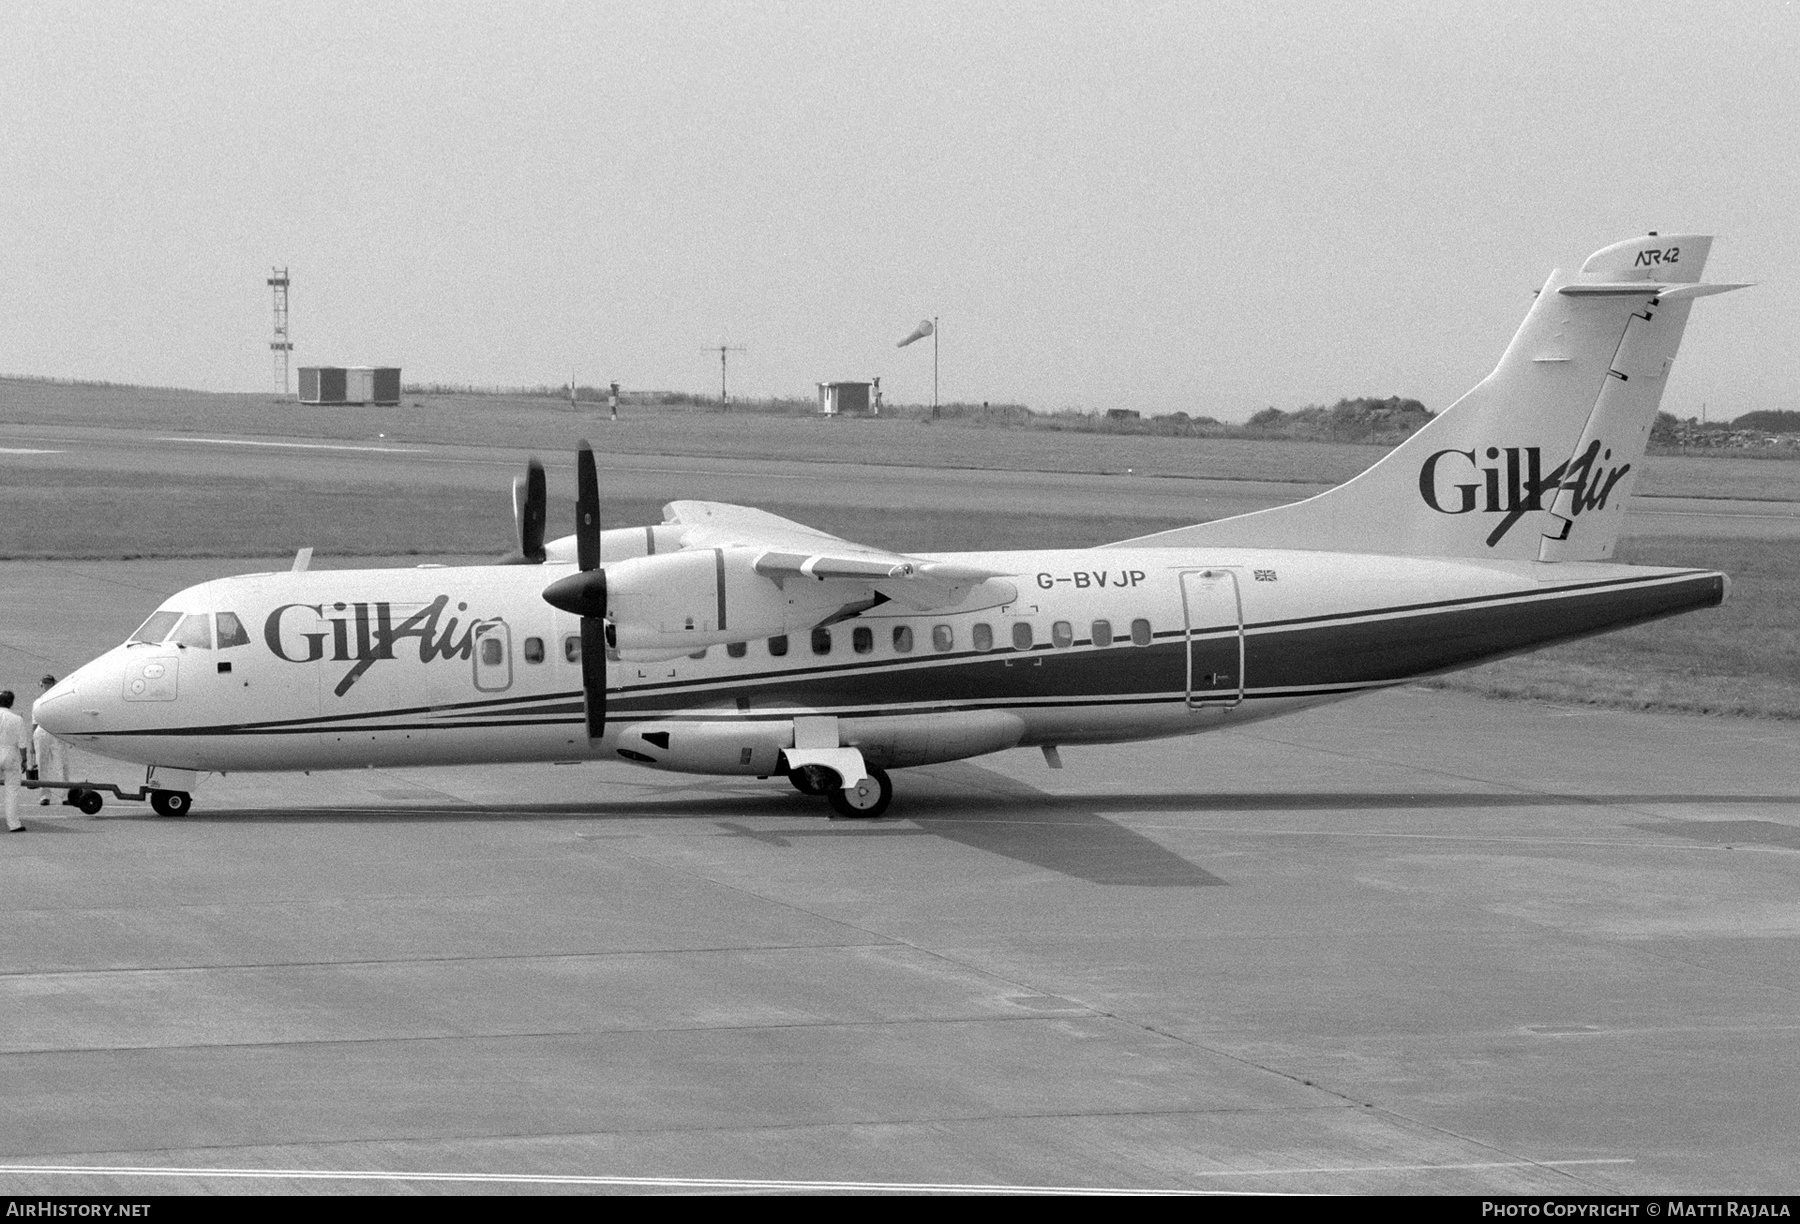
[[918, 333]]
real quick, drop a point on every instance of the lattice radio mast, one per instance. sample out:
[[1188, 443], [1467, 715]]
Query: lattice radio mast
[[280, 346]]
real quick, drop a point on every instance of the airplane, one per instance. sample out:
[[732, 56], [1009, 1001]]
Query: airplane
[[729, 641]]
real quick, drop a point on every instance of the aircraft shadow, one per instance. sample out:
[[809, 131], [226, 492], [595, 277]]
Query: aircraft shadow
[[986, 810], [958, 802]]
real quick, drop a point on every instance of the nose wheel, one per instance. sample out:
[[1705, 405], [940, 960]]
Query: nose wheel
[[864, 801]]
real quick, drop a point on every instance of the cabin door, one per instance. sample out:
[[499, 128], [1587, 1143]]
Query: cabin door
[[1213, 610], [493, 656]]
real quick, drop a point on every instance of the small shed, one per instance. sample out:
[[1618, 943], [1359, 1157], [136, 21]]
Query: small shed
[[837, 398], [322, 384]]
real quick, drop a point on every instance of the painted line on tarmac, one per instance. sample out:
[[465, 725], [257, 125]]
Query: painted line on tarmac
[[546, 1179], [23, 450], [448, 459], [380, 450], [748, 1183], [709, 472], [1712, 514]]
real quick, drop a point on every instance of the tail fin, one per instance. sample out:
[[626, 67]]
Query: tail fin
[[1536, 462]]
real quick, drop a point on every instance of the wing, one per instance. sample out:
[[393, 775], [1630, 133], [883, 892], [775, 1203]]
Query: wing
[[786, 550]]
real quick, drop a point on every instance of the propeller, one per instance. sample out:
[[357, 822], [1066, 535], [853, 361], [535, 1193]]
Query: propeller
[[528, 516], [583, 593]]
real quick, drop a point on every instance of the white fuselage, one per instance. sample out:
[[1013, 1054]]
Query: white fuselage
[[349, 668]]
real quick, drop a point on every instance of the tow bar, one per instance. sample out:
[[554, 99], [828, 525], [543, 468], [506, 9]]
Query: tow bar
[[86, 795]]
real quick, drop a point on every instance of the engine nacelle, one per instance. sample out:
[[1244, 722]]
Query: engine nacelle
[[684, 601], [620, 543]]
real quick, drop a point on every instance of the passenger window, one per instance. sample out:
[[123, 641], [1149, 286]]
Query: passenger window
[[231, 631], [984, 637], [862, 639], [1140, 632], [821, 641], [1062, 635], [1022, 635], [943, 637], [737, 650], [778, 646], [903, 638], [493, 653], [572, 648], [195, 630], [534, 646], [1102, 632]]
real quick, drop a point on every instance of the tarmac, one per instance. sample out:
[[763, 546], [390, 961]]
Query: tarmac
[[1418, 942]]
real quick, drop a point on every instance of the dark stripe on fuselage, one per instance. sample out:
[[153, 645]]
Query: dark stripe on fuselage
[[1284, 659]]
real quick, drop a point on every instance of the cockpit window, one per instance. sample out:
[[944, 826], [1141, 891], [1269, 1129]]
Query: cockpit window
[[195, 631], [231, 631], [156, 628]]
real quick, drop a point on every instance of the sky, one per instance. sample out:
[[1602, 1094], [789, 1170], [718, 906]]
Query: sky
[[1208, 207]]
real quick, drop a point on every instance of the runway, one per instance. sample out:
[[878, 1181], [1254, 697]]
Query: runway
[[1418, 942]]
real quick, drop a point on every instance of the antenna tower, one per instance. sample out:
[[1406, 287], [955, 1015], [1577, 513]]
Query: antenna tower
[[721, 350], [280, 346]]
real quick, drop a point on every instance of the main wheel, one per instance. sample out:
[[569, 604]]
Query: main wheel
[[171, 803], [812, 779], [866, 800], [90, 802]]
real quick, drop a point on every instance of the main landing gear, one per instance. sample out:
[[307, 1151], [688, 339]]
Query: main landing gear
[[864, 801], [171, 803]]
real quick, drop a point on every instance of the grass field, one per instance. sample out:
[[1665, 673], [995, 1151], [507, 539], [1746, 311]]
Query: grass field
[[149, 515], [1741, 659], [548, 426]]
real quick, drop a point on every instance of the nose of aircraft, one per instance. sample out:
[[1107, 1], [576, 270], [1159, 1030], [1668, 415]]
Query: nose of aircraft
[[59, 710]]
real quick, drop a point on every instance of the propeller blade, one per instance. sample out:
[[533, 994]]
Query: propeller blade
[[587, 509], [532, 510], [529, 511], [593, 671]]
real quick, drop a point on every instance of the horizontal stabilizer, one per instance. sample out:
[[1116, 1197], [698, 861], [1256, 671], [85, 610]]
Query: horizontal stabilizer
[[1665, 292]]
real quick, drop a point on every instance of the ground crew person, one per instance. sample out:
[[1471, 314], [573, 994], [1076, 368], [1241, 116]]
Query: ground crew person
[[13, 747], [48, 755]]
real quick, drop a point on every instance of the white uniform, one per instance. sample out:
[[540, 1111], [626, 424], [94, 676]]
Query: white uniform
[[13, 743], [50, 756]]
